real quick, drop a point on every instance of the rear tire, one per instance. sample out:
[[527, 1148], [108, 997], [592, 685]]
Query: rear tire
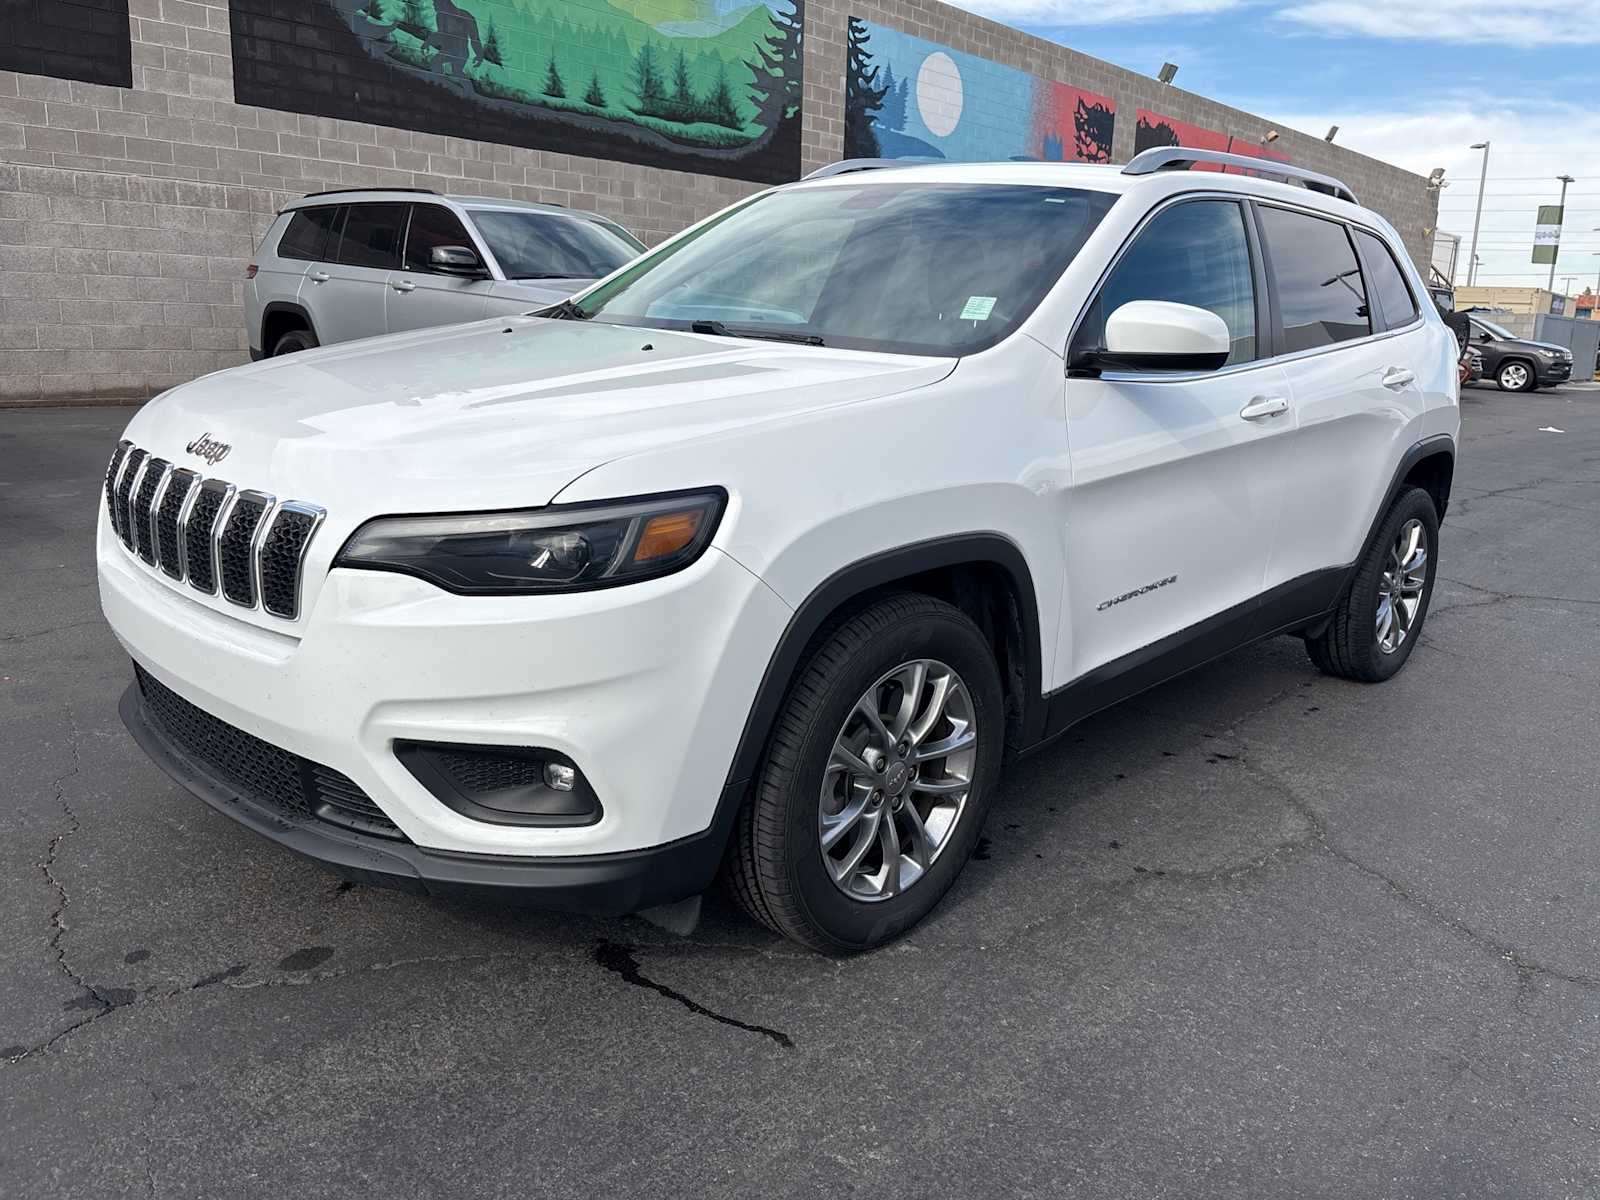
[[1379, 619], [293, 341], [931, 677]]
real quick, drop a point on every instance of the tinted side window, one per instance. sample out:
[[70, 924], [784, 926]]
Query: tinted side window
[[1388, 283], [307, 234], [432, 225], [1193, 253], [372, 235], [1320, 291]]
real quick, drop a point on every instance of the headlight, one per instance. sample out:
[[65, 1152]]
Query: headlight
[[566, 548], [1549, 353]]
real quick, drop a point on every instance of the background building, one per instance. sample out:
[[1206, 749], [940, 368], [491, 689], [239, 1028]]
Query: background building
[[145, 144]]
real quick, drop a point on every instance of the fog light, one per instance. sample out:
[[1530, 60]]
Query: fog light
[[560, 777]]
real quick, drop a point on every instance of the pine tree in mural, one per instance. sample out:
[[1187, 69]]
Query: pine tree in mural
[[1092, 125], [684, 105], [595, 95], [775, 73], [893, 115], [647, 82], [863, 94], [723, 111], [491, 46], [552, 82]]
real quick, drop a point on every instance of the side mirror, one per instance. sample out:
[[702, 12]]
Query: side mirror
[[456, 260], [1486, 337], [1157, 335]]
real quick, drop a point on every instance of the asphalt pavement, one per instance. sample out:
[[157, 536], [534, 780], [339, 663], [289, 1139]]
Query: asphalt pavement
[[1257, 933]]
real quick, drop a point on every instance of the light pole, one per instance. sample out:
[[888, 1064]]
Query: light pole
[[1483, 178], [1561, 209]]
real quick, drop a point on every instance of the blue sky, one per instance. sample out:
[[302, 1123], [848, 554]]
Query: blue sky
[[1414, 82]]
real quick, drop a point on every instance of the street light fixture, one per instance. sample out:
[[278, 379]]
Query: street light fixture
[[1483, 177], [1561, 207]]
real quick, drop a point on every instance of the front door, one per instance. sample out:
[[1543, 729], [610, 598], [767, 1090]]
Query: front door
[[420, 296], [1177, 480]]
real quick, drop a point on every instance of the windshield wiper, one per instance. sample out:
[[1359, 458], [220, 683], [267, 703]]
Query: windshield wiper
[[746, 331], [566, 310]]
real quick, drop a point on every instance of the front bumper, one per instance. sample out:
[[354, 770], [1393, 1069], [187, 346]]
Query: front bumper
[[600, 883], [646, 688], [1557, 371]]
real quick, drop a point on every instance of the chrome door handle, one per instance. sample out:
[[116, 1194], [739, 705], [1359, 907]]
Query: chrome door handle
[[405, 285], [319, 277], [1398, 378], [1264, 406]]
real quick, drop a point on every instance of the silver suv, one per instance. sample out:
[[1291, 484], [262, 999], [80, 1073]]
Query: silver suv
[[336, 266]]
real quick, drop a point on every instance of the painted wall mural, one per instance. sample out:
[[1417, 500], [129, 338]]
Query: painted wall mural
[[68, 39], [711, 86], [1153, 129], [909, 98]]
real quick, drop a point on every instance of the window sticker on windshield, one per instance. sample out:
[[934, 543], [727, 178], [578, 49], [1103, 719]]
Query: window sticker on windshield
[[978, 308]]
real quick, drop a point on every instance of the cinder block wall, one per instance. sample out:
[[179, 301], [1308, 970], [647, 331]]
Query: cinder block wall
[[128, 215]]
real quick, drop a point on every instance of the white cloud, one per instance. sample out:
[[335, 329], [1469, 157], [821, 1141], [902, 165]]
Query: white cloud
[[1075, 12], [1521, 23]]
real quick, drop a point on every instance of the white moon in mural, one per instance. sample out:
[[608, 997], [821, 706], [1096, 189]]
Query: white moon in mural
[[939, 96]]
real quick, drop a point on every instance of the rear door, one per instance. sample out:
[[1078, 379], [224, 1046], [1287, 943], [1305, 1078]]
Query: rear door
[[1355, 379], [1177, 480], [420, 296], [346, 291]]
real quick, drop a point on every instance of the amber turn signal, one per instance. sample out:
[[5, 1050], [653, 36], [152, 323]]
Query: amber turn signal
[[667, 534]]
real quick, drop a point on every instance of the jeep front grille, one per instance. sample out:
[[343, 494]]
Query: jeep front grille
[[246, 545]]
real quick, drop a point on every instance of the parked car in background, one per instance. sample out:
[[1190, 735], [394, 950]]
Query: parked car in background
[[336, 266], [1518, 364], [1473, 358]]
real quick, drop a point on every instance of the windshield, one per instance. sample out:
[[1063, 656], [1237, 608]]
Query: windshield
[[909, 268], [541, 245], [1491, 327]]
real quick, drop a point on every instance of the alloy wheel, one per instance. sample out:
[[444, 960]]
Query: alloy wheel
[[1514, 376], [897, 780], [1400, 588]]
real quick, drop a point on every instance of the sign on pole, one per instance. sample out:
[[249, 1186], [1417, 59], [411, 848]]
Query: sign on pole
[[1547, 233]]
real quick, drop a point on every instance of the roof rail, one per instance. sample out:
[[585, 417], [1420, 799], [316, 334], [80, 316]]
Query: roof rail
[[848, 166], [341, 191], [1181, 158]]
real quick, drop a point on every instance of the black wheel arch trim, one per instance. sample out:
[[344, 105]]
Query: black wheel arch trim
[[866, 575], [1438, 443], [273, 307]]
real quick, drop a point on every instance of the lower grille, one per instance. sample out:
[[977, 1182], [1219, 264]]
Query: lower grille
[[294, 786]]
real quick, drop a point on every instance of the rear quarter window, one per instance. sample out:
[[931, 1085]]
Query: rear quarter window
[[1386, 281], [306, 236], [1321, 293]]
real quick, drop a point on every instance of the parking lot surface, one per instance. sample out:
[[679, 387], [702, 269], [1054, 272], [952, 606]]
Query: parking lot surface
[[1255, 933]]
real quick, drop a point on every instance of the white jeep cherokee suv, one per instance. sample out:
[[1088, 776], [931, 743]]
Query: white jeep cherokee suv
[[763, 554]]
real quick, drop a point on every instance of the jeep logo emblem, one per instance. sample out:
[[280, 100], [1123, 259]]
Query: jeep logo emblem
[[212, 451]]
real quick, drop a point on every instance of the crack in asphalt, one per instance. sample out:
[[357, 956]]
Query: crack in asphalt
[[615, 957], [1321, 839], [29, 634], [1500, 597]]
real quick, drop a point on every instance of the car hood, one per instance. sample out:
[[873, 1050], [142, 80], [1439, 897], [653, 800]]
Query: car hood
[[501, 413], [1543, 345], [539, 293]]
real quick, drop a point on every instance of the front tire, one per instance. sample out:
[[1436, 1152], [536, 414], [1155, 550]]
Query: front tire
[[1516, 376], [877, 778], [1379, 619]]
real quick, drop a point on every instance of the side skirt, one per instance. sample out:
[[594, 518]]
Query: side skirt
[[1295, 604]]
